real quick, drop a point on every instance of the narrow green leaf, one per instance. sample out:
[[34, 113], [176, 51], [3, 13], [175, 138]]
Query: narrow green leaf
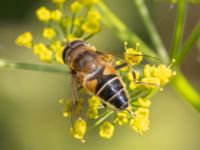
[[121, 30], [25, 66], [153, 33], [193, 37], [179, 28], [185, 89]]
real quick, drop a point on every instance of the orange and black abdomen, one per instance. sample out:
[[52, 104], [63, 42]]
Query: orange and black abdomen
[[109, 88], [98, 77]]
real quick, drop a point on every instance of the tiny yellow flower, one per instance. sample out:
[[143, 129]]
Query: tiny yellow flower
[[42, 52], [49, 33], [57, 47], [140, 123], [25, 39], [79, 129], [91, 26], [58, 2], [89, 2], [92, 113], [75, 7], [133, 56], [93, 14], [121, 118], [56, 15], [43, 14], [149, 71], [71, 37], [94, 102], [151, 82], [163, 73], [106, 130]]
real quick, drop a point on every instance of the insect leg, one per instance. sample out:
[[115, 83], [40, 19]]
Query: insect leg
[[117, 67]]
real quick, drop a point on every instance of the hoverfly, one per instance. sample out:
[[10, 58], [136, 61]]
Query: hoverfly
[[95, 72]]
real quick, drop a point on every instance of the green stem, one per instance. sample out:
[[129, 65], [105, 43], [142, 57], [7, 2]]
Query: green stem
[[193, 37], [24, 66], [185, 89], [179, 28], [121, 30], [103, 118], [153, 33]]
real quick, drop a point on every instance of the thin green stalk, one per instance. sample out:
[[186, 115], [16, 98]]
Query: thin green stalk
[[103, 118], [121, 30], [179, 28], [185, 89], [153, 33], [193, 37], [25, 66]]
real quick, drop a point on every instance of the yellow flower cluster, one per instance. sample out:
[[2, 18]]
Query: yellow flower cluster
[[133, 56], [75, 7], [48, 33], [93, 103], [25, 39], [42, 52], [79, 129], [160, 74], [106, 130], [121, 118], [140, 123], [44, 14], [61, 28]]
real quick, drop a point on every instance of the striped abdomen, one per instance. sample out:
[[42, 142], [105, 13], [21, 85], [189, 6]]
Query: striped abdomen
[[109, 88]]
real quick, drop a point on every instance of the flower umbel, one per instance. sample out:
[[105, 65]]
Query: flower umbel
[[140, 123], [82, 22], [79, 129], [24, 39], [106, 130]]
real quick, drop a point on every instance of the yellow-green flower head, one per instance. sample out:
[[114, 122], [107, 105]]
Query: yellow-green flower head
[[151, 82], [93, 14], [25, 39], [42, 52], [75, 7], [133, 56], [149, 71], [48, 33], [56, 46], [56, 15], [92, 113], [163, 73], [106, 130], [79, 129], [58, 2], [121, 118], [89, 2], [91, 26], [94, 102], [140, 123], [43, 14]]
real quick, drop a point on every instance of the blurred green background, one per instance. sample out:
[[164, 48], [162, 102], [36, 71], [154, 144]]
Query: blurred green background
[[30, 116]]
